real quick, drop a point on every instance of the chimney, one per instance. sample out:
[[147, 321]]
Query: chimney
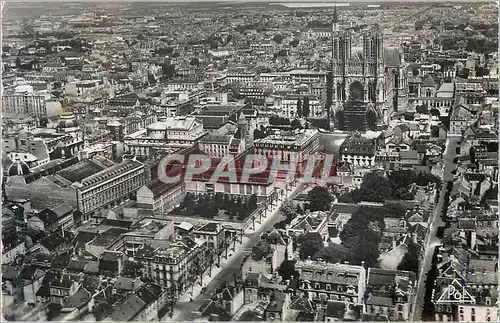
[[394, 243], [363, 263]]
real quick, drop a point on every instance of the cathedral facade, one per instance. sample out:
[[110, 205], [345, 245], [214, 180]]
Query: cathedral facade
[[359, 77]]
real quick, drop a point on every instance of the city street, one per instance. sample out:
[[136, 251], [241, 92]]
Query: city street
[[436, 222], [183, 309]]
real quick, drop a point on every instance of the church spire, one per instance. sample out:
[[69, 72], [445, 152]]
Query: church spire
[[335, 23]]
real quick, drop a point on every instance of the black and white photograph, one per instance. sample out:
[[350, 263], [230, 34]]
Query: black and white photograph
[[232, 160]]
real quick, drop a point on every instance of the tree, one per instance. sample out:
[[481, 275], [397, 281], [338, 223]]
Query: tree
[[319, 199], [195, 61], [371, 119], [422, 109], [299, 108], [465, 73], [311, 243], [287, 269], [472, 154], [362, 234], [278, 39], [481, 71], [278, 121], [296, 124], [282, 53], [168, 70], [151, 79], [334, 253], [340, 119], [237, 135], [401, 178], [252, 202], [18, 62], [374, 188], [410, 259], [258, 134], [305, 107], [294, 43], [288, 210]]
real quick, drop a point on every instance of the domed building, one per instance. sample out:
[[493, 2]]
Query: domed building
[[68, 122], [16, 167]]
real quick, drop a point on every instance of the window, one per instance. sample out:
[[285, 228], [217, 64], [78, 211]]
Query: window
[[461, 318], [473, 310], [473, 318], [328, 287], [400, 307]]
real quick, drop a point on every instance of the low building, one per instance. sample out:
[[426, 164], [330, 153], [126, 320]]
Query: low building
[[157, 198], [266, 257], [214, 235], [315, 222], [53, 219]]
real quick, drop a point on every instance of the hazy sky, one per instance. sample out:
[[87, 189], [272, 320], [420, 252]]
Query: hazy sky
[[243, 1]]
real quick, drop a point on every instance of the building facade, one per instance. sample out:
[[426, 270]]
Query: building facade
[[109, 187]]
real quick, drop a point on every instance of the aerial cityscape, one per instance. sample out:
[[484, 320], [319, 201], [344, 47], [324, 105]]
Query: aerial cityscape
[[249, 161]]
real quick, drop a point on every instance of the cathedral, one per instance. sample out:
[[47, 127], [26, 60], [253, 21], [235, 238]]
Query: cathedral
[[361, 79]]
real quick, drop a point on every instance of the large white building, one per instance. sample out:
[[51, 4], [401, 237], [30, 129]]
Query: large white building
[[166, 134], [23, 100], [286, 144]]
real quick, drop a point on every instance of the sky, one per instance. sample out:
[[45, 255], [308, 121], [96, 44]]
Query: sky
[[250, 1]]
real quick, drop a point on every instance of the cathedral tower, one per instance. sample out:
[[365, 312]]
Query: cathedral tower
[[357, 76]]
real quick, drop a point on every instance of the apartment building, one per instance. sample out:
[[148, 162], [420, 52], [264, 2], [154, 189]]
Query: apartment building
[[358, 151], [174, 264], [323, 281]]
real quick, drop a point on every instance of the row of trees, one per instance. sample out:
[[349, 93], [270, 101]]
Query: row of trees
[[377, 188], [280, 121], [208, 206], [303, 108]]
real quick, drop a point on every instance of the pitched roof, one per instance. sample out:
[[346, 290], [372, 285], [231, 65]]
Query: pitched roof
[[78, 299], [428, 81], [128, 309], [53, 241]]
